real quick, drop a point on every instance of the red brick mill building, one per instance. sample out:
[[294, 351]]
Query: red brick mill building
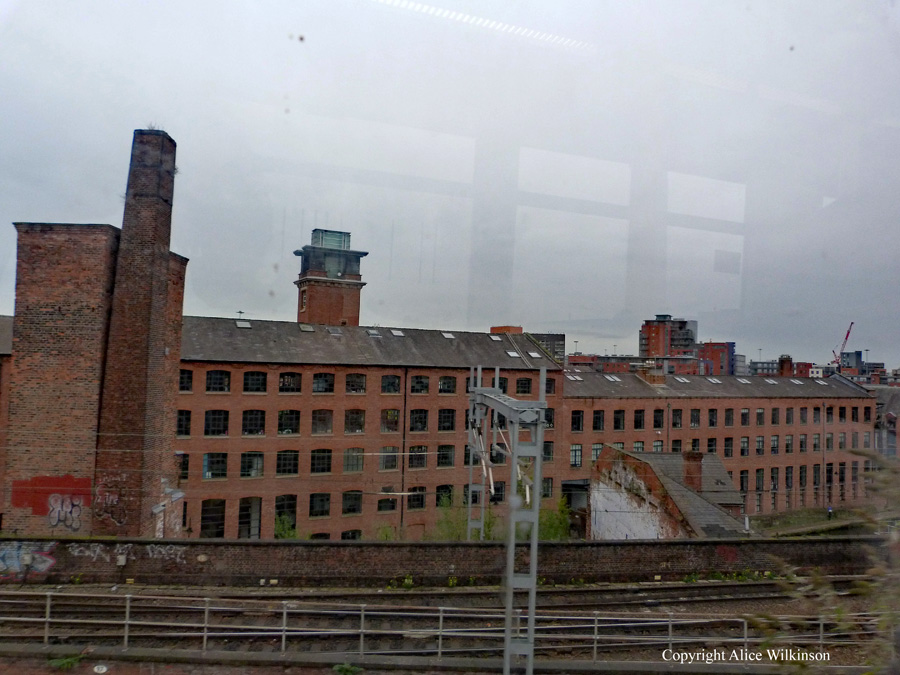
[[118, 416]]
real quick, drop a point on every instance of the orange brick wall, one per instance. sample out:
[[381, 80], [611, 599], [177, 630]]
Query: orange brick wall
[[413, 524]]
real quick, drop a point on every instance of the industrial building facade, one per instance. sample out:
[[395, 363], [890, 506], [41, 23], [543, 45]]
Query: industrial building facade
[[120, 417], [347, 432]]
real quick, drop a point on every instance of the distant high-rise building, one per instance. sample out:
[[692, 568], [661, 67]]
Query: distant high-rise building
[[553, 343], [716, 358], [665, 336]]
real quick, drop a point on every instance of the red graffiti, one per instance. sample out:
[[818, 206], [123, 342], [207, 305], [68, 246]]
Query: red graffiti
[[35, 493]]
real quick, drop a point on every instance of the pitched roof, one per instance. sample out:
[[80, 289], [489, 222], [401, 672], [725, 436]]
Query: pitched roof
[[630, 385], [224, 340], [702, 510]]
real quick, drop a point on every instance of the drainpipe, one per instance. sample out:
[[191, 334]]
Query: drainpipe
[[402, 457]]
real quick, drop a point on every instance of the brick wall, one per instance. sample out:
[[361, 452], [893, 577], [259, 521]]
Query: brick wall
[[64, 278], [372, 481], [330, 302], [778, 457], [374, 563]]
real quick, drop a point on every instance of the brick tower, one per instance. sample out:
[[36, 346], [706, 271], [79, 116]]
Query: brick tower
[[330, 282], [96, 346]]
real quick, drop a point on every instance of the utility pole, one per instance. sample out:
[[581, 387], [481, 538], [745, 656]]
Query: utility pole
[[524, 448]]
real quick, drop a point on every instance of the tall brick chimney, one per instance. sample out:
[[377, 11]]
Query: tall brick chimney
[[330, 283], [135, 462], [693, 470]]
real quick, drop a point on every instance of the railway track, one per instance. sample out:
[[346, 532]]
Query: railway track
[[303, 623], [589, 597]]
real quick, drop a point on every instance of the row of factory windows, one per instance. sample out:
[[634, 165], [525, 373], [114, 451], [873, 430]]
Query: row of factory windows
[[256, 382], [350, 460], [793, 494], [250, 509], [253, 422], [776, 445], [287, 463], [677, 417]]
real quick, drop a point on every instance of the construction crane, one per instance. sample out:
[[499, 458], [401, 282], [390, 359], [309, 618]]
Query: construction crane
[[837, 354]]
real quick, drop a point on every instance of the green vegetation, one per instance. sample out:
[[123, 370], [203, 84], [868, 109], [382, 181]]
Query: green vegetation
[[386, 533], [452, 522], [346, 669], [284, 527], [553, 525], [407, 582], [65, 662]]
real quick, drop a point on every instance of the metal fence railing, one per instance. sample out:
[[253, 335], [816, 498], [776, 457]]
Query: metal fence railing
[[205, 623]]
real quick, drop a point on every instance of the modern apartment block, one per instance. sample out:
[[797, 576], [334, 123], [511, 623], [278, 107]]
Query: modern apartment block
[[665, 336]]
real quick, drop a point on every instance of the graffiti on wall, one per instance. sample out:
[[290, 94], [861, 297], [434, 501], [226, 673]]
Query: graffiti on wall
[[61, 498], [166, 552], [104, 552], [96, 552], [110, 500], [64, 510], [19, 559]]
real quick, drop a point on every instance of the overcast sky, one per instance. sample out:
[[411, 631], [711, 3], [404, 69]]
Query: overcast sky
[[567, 166]]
